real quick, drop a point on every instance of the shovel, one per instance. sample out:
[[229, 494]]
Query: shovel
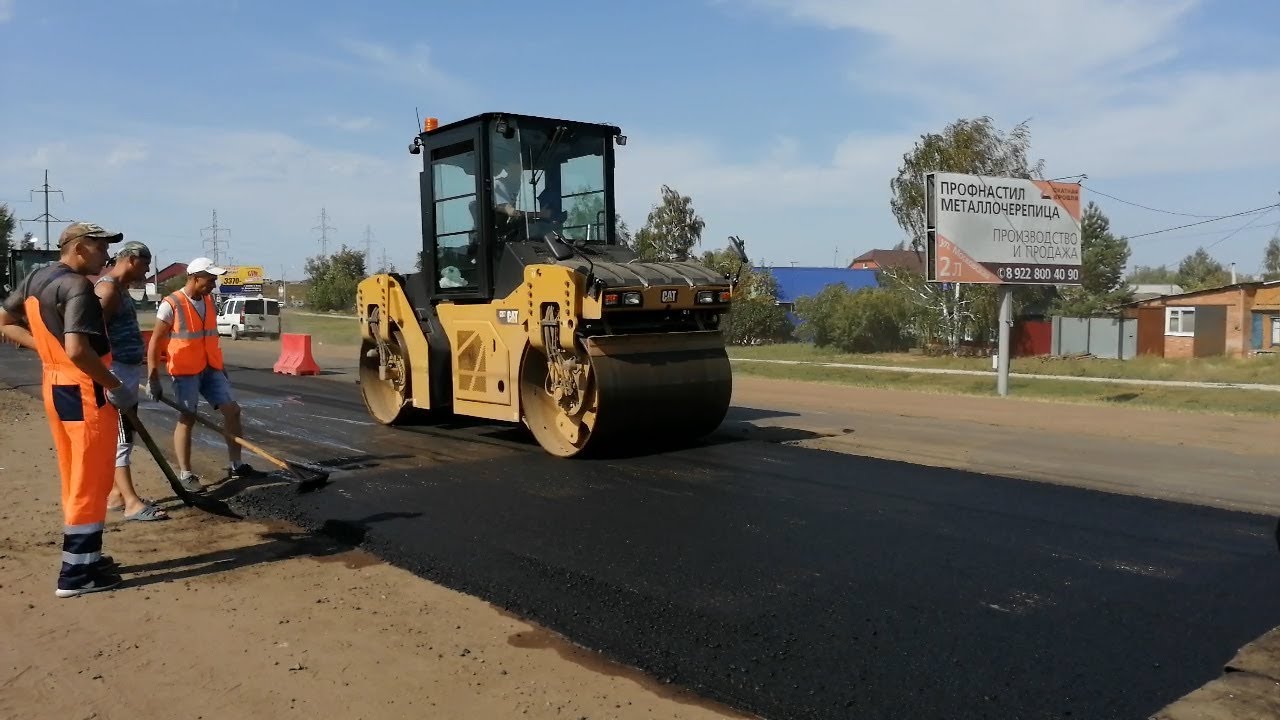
[[207, 504], [308, 478]]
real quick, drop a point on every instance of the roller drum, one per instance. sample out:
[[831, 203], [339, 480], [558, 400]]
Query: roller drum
[[646, 391]]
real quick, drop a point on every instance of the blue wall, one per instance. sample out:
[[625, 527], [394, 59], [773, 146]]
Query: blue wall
[[798, 282]]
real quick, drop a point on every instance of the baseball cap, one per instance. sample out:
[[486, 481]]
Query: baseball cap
[[133, 247], [78, 230], [204, 265]]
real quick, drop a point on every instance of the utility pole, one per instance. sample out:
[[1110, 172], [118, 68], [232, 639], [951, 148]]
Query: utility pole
[[368, 244], [213, 244], [384, 261], [46, 190], [324, 227]]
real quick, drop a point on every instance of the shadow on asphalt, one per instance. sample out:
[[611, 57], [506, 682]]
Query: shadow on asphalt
[[333, 538]]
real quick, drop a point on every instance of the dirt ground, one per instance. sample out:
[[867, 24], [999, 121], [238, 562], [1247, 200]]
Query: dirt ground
[[234, 619], [237, 619]]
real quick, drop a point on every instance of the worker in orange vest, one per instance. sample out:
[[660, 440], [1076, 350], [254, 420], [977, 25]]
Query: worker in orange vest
[[187, 322], [55, 312]]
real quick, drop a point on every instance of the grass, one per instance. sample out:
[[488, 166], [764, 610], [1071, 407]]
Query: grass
[[1219, 400], [1262, 370], [327, 330], [339, 330]]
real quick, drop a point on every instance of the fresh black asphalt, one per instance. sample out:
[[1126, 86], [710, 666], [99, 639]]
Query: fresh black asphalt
[[785, 581]]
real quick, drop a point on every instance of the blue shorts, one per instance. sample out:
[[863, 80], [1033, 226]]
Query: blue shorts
[[210, 383]]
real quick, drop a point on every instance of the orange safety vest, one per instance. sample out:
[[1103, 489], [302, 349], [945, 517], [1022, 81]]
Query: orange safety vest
[[193, 345]]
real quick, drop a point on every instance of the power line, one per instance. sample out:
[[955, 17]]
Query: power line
[[1264, 208], [1242, 227], [324, 227], [46, 191], [368, 244], [1095, 191]]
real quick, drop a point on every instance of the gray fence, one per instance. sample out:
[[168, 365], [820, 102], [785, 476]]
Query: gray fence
[[1100, 337]]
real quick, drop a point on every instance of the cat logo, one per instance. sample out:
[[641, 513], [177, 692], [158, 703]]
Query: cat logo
[[509, 317], [668, 296]]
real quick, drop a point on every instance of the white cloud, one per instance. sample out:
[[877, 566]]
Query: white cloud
[[356, 124], [412, 67], [6, 10], [1108, 86], [1024, 46], [125, 153], [774, 199], [268, 187]]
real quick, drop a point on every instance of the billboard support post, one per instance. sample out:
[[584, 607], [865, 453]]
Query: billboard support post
[[1006, 325]]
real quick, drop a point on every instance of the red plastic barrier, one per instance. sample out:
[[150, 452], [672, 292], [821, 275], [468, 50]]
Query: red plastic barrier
[[295, 356]]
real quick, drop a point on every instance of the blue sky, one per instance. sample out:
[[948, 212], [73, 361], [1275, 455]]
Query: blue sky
[[783, 119]]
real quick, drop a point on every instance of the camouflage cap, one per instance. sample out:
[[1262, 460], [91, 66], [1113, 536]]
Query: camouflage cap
[[133, 247], [78, 230]]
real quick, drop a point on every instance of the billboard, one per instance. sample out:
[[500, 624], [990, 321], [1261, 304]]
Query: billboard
[[1002, 230], [241, 280]]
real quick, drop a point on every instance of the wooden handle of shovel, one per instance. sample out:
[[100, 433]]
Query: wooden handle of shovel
[[222, 431]]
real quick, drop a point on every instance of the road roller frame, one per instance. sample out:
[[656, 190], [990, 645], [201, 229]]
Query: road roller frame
[[527, 310]]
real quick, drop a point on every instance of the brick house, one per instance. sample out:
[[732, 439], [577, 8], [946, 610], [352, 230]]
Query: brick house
[[1237, 320], [882, 259]]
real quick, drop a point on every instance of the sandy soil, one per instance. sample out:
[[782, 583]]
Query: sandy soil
[[233, 619]]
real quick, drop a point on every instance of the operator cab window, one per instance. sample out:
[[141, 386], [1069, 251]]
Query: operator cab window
[[453, 182], [549, 178]]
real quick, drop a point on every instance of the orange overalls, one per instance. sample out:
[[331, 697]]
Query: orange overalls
[[85, 429]]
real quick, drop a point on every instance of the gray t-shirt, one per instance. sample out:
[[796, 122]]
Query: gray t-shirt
[[67, 305], [164, 313]]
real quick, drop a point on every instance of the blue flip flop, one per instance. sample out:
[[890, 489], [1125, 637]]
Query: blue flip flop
[[149, 512]]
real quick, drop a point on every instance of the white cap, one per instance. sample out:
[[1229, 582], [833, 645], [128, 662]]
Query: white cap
[[204, 265]]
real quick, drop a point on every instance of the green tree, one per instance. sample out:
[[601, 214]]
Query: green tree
[[1102, 259], [756, 317], [975, 147], [1200, 270], [332, 279], [623, 232], [1153, 275], [858, 321], [1271, 260], [672, 229], [972, 146]]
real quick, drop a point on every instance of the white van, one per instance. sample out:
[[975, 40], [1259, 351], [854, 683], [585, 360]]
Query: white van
[[249, 317]]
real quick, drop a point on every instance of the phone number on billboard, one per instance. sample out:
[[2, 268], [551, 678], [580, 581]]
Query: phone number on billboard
[[1038, 273]]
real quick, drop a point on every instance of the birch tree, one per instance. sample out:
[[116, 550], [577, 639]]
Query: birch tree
[[972, 146]]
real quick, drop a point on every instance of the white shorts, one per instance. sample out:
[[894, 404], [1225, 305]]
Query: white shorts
[[129, 375]]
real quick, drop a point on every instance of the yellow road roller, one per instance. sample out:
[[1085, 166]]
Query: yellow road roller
[[528, 310]]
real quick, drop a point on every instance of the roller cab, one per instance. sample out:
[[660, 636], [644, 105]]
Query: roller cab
[[527, 310]]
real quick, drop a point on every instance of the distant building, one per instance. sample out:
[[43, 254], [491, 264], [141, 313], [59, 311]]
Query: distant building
[[801, 282], [1234, 320], [887, 259], [1142, 291]]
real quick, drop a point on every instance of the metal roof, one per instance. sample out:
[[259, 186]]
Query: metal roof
[[798, 282]]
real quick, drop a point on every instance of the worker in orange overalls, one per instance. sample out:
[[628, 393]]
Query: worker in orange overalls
[[55, 312]]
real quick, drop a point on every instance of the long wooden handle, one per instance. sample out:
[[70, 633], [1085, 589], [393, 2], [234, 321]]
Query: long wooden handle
[[131, 417], [222, 431]]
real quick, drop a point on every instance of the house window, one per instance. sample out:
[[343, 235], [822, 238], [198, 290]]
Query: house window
[[1275, 331], [1180, 321]]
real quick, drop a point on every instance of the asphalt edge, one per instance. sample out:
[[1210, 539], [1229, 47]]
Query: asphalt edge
[[1248, 689]]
